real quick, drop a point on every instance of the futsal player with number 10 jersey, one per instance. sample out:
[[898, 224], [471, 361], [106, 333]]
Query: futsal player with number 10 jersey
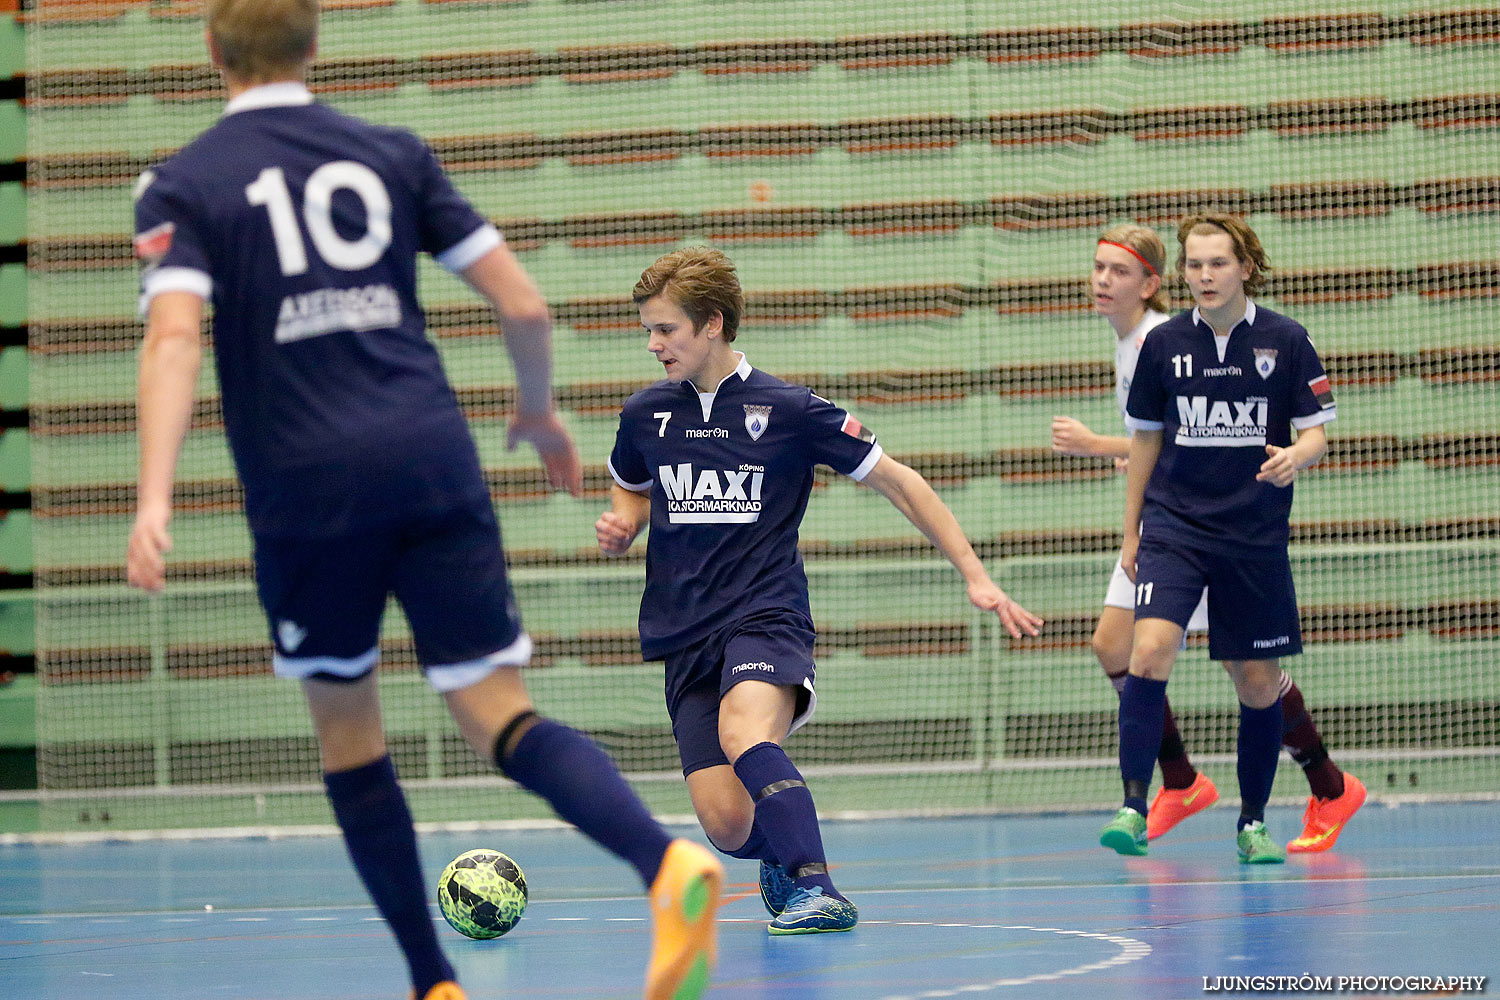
[[361, 480]]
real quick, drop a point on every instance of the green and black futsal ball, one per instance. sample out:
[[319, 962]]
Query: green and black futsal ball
[[482, 894]]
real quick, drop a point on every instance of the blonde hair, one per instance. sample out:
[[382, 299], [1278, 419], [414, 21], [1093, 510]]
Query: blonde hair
[[263, 40], [1145, 244], [1247, 248], [701, 281]]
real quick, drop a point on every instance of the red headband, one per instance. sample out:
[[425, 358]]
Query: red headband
[[1131, 250]]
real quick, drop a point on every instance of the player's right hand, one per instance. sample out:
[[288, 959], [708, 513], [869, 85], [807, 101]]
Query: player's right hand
[[553, 444], [146, 552], [614, 533], [1070, 437], [1128, 552]]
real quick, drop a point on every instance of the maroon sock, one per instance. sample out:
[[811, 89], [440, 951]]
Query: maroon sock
[[1176, 770], [1302, 741]]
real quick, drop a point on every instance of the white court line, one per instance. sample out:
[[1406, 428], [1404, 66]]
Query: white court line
[[1131, 950]]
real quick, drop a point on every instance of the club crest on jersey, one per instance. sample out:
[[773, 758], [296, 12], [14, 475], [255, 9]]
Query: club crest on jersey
[[757, 419], [1265, 361]]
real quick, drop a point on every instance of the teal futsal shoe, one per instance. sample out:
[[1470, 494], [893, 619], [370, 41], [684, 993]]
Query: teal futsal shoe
[[1126, 833], [811, 911], [1257, 847], [776, 887]]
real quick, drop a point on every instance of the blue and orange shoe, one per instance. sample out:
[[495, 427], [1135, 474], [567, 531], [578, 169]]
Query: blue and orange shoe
[[1325, 819], [446, 990], [1173, 805], [684, 899], [812, 911], [776, 887]]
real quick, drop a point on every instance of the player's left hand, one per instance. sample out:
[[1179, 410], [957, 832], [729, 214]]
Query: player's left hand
[[1016, 619], [553, 443], [1278, 470]]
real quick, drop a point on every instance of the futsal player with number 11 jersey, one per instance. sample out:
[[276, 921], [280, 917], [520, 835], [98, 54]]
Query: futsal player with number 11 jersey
[[303, 226], [1216, 396], [718, 458]]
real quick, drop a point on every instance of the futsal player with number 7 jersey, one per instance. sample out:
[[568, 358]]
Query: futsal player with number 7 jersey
[[718, 459], [361, 480], [1217, 393]]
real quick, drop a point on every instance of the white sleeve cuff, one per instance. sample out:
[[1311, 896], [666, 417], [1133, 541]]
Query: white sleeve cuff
[[863, 469], [466, 251], [632, 487], [174, 279], [1321, 417], [1137, 424]]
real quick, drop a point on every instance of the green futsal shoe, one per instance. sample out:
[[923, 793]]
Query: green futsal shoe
[[1126, 833], [1257, 847]]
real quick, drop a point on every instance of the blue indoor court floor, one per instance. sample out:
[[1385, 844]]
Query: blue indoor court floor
[[1018, 906]]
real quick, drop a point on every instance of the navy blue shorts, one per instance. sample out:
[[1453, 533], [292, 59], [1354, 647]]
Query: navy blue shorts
[[775, 647], [324, 598], [1252, 603]]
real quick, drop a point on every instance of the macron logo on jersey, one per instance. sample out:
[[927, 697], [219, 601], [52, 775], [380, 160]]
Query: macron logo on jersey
[[1223, 424], [711, 496]]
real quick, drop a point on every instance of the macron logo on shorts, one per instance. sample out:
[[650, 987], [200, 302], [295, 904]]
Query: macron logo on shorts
[[291, 635]]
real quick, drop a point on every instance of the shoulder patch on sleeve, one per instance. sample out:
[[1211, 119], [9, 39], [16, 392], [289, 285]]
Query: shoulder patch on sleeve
[[152, 245], [1321, 390], [855, 429]]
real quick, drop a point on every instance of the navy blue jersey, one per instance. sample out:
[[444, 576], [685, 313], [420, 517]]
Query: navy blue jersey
[[1216, 416], [303, 225], [729, 474]]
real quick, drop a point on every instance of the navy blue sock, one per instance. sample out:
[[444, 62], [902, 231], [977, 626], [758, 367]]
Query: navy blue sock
[[785, 813], [1259, 750], [755, 847], [377, 827], [1142, 707], [585, 788]]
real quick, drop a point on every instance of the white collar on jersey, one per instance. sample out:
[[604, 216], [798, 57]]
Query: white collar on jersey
[[1248, 320], [706, 399], [286, 94]]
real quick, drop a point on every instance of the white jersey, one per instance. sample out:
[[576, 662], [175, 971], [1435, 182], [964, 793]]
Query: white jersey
[[1128, 352]]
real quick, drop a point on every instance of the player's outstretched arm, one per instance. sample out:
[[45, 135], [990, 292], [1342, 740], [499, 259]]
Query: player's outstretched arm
[[527, 327], [1071, 437], [1145, 448], [617, 527], [914, 497], [170, 358], [1282, 464]]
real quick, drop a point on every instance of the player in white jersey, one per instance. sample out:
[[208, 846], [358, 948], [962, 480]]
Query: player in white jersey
[[1127, 289], [718, 459]]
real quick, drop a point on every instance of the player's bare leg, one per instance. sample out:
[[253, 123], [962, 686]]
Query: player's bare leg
[[376, 823]]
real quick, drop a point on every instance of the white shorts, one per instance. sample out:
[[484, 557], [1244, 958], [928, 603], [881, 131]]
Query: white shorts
[[1121, 594]]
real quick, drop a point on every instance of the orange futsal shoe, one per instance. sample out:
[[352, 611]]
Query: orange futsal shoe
[[1173, 805], [684, 899], [1324, 819], [446, 990]]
